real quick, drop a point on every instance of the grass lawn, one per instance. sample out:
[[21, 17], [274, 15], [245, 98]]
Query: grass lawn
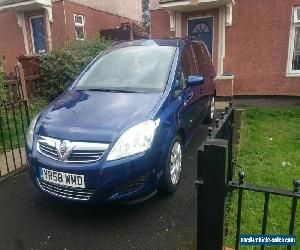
[[269, 154], [16, 126]]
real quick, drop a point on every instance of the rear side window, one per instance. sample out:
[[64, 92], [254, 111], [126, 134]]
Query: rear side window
[[208, 59], [188, 62], [201, 58]]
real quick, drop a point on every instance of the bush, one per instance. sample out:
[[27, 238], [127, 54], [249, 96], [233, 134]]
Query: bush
[[60, 68], [2, 89]]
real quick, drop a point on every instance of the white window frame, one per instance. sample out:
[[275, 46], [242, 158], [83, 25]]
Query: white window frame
[[295, 23], [79, 25], [296, 9]]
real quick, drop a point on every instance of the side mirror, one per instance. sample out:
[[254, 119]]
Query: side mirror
[[195, 80]]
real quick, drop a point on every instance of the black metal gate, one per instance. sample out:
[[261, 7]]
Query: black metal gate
[[14, 121], [215, 185]]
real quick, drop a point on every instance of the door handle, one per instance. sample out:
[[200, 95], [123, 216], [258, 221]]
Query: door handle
[[201, 91]]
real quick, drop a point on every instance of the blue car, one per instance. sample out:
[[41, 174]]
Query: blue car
[[118, 133]]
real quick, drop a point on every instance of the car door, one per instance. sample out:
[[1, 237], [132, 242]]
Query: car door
[[211, 72], [190, 94], [209, 87], [202, 70]]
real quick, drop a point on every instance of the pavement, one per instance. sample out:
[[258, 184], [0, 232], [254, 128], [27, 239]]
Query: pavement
[[259, 101], [12, 160], [30, 220]]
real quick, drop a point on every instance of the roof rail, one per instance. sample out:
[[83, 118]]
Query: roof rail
[[182, 40], [189, 38]]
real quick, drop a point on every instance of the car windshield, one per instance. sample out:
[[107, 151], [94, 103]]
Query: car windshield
[[129, 69]]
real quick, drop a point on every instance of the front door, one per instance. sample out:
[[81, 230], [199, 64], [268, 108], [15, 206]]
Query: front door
[[203, 29], [38, 34]]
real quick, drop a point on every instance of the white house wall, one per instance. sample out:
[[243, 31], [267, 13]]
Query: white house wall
[[131, 9]]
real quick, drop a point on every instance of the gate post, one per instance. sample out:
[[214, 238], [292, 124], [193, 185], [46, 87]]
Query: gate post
[[21, 76], [211, 186]]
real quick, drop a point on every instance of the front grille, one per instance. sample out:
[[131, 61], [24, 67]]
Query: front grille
[[133, 185], [82, 152], [65, 192]]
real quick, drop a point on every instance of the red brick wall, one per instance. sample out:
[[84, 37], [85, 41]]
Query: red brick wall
[[225, 87], [62, 28], [160, 24], [11, 40], [95, 20], [257, 48], [58, 27]]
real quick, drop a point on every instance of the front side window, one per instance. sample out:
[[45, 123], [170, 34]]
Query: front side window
[[294, 55], [79, 27], [179, 82], [133, 69]]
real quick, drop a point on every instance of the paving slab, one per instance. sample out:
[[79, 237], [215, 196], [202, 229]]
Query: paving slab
[[12, 160]]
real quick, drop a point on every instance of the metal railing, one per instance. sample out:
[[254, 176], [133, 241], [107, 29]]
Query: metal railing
[[214, 185], [267, 191], [14, 121]]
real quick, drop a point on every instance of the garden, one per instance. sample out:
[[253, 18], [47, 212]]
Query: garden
[[58, 70], [269, 154]]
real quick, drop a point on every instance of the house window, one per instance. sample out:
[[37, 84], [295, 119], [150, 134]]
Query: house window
[[79, 27], [294, 54]]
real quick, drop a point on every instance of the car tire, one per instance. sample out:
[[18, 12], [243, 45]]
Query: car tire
[[172, 173], [211, 112]]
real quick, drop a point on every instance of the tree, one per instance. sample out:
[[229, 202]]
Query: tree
[[146, 15]]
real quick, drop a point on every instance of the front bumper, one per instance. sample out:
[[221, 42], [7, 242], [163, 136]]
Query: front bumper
[[125, 179]]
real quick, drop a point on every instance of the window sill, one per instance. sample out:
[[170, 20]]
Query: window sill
[[293, 74], [225, 77]]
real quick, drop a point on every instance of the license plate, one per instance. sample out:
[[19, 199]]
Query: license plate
[[61, 178]]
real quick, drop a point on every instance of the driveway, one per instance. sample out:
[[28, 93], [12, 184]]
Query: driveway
[[29, 220]]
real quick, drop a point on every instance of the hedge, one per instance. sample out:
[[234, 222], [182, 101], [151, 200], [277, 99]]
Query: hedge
[[60, 68]]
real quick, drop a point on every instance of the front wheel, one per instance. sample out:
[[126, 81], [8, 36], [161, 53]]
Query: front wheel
[[173, 167], [211, 112]]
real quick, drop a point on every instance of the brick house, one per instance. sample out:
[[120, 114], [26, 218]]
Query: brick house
[[38, 26], [255, 44]]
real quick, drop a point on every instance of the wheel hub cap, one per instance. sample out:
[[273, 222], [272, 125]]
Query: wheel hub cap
[[212, 108], [176, 161]]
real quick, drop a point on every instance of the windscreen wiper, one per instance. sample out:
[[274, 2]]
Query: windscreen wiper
[[108, 90]]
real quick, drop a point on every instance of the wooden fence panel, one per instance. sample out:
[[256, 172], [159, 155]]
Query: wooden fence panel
[[26, 83]]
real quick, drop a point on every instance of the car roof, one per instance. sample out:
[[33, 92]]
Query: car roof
[[172, 42]]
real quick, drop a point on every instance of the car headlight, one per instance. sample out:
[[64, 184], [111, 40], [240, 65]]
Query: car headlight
[[30, 133], [135, 140]]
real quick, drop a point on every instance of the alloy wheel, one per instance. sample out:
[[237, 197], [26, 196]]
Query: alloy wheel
[[176, 161], [212, 108]]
